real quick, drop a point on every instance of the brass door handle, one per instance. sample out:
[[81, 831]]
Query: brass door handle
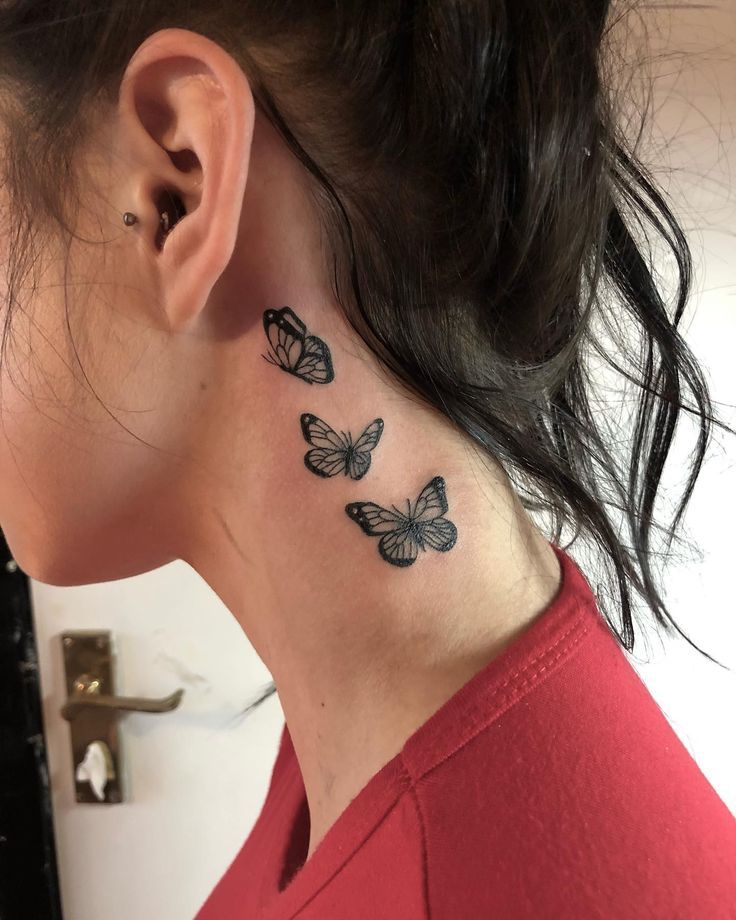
[[84, 699], [92, 708]]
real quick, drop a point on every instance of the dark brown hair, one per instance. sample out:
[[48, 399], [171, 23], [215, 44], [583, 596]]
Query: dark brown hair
[[490, 225]]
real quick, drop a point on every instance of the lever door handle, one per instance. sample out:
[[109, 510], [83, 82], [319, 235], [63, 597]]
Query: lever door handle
[[92, 708], [85, 700]]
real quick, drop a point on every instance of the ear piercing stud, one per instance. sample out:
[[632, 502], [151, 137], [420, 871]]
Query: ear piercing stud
[[165, 221]]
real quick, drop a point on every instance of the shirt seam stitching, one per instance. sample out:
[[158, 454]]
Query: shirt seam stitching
[[414, 780], [518, 691], [425, 855], [404, 776], [413, 787]]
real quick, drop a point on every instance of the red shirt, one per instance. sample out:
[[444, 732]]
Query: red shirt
[[550, 785]]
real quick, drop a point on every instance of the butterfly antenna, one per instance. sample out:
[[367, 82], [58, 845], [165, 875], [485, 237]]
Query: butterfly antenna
[[271, 360]]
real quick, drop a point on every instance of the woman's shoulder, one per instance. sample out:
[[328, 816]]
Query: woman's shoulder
[[576, 798]]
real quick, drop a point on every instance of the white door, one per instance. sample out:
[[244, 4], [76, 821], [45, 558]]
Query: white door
[[197, 776]]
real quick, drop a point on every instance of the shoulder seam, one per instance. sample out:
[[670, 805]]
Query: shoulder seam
[[578, 631], [425, 856], [545, 661]]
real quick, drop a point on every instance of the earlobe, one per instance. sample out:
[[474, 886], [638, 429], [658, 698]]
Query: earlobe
[[186, 118]]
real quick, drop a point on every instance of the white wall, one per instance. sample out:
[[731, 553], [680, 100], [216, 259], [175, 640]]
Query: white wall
[[197, 776], [694, 142]]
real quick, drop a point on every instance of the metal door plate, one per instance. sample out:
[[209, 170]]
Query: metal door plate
[[89, 661]]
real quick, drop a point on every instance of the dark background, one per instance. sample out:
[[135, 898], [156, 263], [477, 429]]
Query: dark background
[[29, 887]]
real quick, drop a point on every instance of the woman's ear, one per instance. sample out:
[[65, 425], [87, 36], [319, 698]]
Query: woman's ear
[[185, 126]]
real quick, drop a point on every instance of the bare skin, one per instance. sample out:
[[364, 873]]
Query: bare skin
[[362, 652]]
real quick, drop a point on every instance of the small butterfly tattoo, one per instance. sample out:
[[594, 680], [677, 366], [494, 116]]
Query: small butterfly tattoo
[[334, 453], [291, 349], [403, 534]]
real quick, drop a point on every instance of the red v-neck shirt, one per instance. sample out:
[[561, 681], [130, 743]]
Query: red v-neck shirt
[[550, 785]]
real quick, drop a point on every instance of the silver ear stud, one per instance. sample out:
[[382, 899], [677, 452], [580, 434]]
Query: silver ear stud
[[165, 221]]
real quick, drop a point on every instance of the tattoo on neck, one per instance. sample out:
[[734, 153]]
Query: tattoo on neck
[[404, 533], [333, 453], [293, 350]]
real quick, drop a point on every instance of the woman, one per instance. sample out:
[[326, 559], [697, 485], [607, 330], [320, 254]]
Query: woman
[[302, 293]]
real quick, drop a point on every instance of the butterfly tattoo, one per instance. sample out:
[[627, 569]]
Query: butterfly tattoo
[[291, 349], [404, 533], [334, 453]]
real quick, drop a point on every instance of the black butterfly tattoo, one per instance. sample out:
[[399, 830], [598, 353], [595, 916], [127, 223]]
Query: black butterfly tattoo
[[334, 453], [291, 349], [403, 534]]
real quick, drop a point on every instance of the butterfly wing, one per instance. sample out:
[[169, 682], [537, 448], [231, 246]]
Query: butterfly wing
[[328, 457], [315, 362], [397, 544], [286, 335], [439, 534], [433, 530], [374, 519], [399, 547], [360, 456], [432, 501]]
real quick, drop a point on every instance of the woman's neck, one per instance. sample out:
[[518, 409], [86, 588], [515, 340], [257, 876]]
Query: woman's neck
[[362, 650]]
